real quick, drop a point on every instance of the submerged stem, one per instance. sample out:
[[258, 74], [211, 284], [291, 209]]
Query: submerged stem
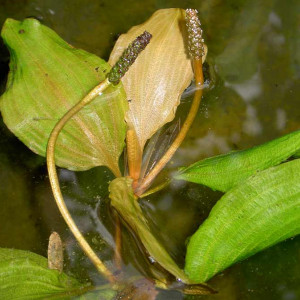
[[146, 182], [55, 183], [118, 240]]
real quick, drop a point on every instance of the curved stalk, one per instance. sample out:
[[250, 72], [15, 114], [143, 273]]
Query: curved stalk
[[55, 183], [113, 77], [146, 182]]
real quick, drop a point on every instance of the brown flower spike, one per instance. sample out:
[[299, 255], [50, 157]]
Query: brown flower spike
[[128, 57], [195, 40]]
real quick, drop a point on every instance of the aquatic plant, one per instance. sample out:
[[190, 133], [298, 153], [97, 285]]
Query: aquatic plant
[[74, 108]]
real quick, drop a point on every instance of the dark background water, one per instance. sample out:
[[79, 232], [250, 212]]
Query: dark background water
[[253, 96]]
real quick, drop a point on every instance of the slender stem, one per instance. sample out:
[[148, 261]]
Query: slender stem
[[156, 189], [118, 240], [146, 182], [55, 183], [134, 156]]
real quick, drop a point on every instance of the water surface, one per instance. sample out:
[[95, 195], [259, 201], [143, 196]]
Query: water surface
[[253, 97]]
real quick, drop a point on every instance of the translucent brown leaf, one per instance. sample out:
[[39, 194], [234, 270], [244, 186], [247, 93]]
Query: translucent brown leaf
[[155, 82]]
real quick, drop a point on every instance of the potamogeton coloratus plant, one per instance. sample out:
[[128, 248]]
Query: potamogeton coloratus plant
[[72, 107]]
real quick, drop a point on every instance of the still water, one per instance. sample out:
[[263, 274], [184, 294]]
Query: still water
[[252, 97]]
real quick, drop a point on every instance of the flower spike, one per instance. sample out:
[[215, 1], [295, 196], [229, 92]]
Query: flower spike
[[195, 40], [128, 57]]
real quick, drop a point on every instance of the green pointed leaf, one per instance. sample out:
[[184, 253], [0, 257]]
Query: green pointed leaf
[[25, 275], [225, 171], [256, 214], [47, 77]]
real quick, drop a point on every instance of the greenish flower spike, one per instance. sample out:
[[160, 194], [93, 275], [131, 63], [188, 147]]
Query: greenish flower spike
[[128, 57], [195, 40]]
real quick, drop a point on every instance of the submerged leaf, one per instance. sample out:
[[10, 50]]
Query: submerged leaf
[[161, 73], [142, 289], [239, 60], [222, 172], [157, 146], [47, 77], [254, 215], [25, 275], [18, 223], [99, 293], [123, 200]]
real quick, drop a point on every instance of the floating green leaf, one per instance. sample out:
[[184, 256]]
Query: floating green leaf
[[254, 215], [225, 171], [25, 275], [47, 77]]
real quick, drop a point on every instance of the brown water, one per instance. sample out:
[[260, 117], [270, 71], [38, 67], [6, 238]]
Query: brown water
[[253, 96]]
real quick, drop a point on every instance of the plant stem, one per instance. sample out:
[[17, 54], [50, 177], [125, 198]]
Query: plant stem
[[146, 182], [118, 240], [55, 183], [134, 156], [156, 189]]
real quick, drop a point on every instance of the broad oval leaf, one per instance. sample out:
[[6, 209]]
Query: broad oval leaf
[[225, 171], [47, 77], [25, 275], [155, 82], [256, 214]]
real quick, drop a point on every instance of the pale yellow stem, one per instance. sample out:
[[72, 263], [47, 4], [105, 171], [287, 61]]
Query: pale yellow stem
[[156, 189], [146, 182], [55, 183], [134, 156]]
